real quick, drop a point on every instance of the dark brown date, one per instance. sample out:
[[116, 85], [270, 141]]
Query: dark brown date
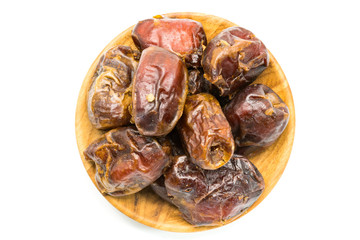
[[126, 161], [185, 37], [205, 132], [257, 116], [213, 197], [197, 82], [110, 93], [233, 59], [159, 91]]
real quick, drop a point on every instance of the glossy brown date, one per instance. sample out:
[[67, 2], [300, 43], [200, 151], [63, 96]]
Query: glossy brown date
[[257, 116], [233, 59], [110, 93], [185, 37], [126, 161], [213, 197], [205, 132], [159, 91]]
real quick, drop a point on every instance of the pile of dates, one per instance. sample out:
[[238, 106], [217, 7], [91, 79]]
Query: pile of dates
[[182, 117]]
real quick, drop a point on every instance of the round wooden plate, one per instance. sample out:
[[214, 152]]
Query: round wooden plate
[[146, 207]]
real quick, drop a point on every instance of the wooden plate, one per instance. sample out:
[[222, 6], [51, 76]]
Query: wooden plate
[[145, 206]]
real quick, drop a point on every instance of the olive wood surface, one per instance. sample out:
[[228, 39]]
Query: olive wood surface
[[145, 206]]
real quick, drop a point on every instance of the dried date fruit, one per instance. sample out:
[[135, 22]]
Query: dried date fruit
[[197, 82], [126, 161], [205, 132], [233, 59], [159, 91], [213, 197], [257, 116], [109, 96], [185, 37]]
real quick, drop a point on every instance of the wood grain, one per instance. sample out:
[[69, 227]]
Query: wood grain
[[146, 207]]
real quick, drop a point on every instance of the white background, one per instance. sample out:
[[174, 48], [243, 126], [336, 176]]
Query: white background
[[46, 49]]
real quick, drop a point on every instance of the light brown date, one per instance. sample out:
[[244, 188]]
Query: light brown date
[[109, 96], [205, 132]]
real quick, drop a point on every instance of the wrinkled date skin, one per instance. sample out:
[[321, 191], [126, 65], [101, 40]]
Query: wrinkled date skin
[[205, 132], [159, 91], [197, 82], [213, 197], [126, 161], [110, 93], [185, 37], [233, 59], [257, 116]]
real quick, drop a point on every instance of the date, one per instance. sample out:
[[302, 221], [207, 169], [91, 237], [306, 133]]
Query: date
[[205, 132], [213, 197], [257, 116], [159, 91], [233, 59], [109, 96], [184, 37], [126, 161]]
